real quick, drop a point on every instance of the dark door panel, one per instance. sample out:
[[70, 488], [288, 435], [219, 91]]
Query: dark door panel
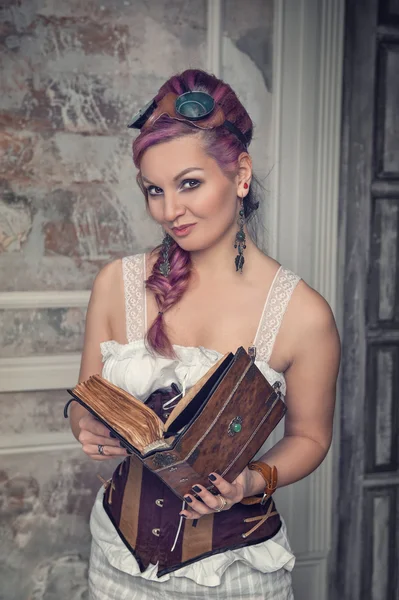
[[366, 546]]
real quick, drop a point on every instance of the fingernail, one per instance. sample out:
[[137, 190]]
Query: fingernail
[[188, 499], [122, 445], [212, 477], [112, 435], [196, 489], [184, 516]]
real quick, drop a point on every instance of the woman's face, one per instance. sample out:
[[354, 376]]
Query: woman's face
[[188, 194]]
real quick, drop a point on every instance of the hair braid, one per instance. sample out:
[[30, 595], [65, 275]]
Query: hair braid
[[167, 292]]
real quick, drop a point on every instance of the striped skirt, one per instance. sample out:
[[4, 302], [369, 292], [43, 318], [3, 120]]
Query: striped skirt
[[239, 582]]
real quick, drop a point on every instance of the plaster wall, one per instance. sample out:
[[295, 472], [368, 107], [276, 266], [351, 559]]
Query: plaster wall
[[72, 74]]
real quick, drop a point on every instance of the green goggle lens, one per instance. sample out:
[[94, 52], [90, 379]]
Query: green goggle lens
[[194, 105]]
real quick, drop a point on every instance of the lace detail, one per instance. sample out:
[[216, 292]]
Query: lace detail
[[275, 307], [133, 278]]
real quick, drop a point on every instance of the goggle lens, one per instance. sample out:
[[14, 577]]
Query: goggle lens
[[194, 105]]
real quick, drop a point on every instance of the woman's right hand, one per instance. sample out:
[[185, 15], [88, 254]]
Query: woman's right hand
[[94, 434]]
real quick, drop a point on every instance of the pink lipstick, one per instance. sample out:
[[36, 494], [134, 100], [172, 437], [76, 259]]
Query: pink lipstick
[[183, 230]]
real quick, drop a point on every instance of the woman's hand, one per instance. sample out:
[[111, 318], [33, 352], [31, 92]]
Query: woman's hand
[[232, 492], [94, 434]]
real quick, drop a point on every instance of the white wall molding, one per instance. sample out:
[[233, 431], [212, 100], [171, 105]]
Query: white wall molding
[[309, 577], [39, 372], [307, 89], [328, 149], [38, 442], [325, 228], [272, 213], [214, 37], [295, 103], [308, 55], [44, 299]]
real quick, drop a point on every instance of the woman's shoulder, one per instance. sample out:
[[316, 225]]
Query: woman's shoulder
[[109, 281], [305, 301], [308, 312], [113, 271]]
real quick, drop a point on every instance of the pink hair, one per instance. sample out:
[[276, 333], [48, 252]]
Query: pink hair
[[220, 144]]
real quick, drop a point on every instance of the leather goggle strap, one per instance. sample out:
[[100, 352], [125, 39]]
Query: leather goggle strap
[[167, 106], [269, 474]]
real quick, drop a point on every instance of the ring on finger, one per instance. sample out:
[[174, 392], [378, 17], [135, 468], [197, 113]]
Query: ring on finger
[[223, 503], [100, 449]]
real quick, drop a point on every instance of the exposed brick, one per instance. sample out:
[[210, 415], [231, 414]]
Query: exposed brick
[[92, 224], [72, 232], [45, 503], [16, 153], [15, 221]]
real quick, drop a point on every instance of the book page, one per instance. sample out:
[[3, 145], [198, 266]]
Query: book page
[[132, 419]]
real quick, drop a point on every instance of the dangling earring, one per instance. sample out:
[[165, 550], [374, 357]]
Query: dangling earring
[[239, 242], [164, 266]]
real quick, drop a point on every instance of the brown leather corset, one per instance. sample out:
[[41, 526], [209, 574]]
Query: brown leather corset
[[145, 513]]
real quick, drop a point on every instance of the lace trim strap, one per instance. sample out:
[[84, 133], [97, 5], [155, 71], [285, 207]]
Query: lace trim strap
[[276, 304], [133, 268]]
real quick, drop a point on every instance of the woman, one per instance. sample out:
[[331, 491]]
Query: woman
[[165, 319]]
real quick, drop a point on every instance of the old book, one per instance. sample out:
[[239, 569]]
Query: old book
[[218, 425]]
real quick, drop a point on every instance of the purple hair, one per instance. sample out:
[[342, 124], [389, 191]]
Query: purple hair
[[221, 145]]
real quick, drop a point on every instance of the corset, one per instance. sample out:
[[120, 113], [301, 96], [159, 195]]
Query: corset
[[145, 513]]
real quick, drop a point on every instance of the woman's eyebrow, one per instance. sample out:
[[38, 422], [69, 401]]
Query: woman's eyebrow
[[176, 177], [185, 171]]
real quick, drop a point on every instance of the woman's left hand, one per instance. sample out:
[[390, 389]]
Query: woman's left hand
[[232, 492]]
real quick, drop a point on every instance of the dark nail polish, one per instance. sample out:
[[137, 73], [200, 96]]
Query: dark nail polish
[[122, 445], [184, 516], [212, 477], [188, 499], [112, 435], [196, 489]]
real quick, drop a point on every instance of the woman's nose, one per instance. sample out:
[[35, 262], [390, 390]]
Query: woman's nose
[[173, 208]]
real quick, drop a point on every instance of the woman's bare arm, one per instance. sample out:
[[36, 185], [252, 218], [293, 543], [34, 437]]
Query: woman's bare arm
[[311, 334], [104, 298], [311, 389]]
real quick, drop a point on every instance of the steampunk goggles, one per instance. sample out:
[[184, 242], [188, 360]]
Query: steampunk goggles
[[198, 108]]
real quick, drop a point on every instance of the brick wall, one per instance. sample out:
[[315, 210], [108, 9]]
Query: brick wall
[[72, 74]]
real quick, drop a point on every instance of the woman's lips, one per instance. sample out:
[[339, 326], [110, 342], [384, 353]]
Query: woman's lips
[[183, 230]]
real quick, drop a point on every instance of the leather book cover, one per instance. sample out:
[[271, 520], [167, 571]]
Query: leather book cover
[[219, 425]]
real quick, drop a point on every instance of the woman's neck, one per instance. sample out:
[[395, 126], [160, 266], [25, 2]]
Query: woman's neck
[[218, 260]]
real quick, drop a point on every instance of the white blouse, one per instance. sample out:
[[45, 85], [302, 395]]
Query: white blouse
[[134, 368]]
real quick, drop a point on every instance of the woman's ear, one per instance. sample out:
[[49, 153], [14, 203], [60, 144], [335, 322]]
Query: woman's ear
[[244, 174]]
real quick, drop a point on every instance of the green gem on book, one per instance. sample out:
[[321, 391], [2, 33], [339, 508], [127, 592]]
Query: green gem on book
[[235, 426]]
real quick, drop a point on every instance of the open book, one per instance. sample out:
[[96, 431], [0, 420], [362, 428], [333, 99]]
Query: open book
[[218, 425], [135, 424]]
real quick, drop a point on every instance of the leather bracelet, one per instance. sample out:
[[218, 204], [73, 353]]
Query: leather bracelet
[[269, 474]]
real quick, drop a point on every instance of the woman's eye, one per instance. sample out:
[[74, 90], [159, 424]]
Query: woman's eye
[[190, 184], [153, 190]]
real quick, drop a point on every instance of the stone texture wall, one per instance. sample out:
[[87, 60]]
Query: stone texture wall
[[72, 73]]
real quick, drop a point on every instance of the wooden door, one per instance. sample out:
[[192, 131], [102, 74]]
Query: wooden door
[[366, 560]]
